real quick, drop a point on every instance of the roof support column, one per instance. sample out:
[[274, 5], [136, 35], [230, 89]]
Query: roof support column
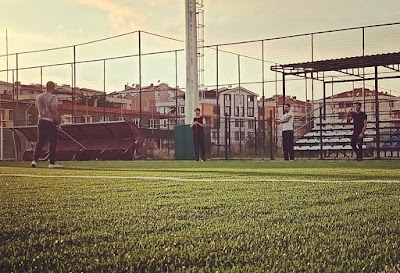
[[378, 149], [284, 91], [324, 101]]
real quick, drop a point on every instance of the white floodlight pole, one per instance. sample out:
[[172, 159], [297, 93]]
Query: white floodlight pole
[[192, 89]]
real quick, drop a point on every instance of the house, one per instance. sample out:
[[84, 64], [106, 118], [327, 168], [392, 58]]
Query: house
[[158, 100], [236, 105], [338, 105], [273, 109]]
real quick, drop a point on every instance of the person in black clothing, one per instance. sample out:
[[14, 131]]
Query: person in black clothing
[[136, 149], [359, 119], [198, 125]]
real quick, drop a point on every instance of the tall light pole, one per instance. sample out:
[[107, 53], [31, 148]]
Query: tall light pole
[[192, 89]]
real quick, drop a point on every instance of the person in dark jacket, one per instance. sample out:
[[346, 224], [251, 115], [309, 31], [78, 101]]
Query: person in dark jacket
[[198, 125], [359, 119]]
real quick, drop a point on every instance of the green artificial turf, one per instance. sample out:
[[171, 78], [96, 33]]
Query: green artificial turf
[[184, 216]]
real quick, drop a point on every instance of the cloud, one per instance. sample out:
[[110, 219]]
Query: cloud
[[17, 40], [161, 2], [60, 27], [122, 16]]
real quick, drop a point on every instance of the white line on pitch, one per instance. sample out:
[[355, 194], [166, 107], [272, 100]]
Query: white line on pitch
[[326, 181], [119, 177], [200, 179]]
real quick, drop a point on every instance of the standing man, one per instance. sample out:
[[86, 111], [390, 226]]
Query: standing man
[[48, 125], [198, 125], [360, 124], [287, 121]]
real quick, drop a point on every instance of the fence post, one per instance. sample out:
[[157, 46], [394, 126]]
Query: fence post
[[378, 136], [140, 78], [255, 136], [17, 93], [217, 97], [168, 142], [73, 88], [226, 136], [271, 136], [320, 134], [104, 89]]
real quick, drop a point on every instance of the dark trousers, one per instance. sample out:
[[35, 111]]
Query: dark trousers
[[199, 146], [287, 143], [357, 143], [47, 132]]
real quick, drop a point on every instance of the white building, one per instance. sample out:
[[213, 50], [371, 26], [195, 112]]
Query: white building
[[238, 104]]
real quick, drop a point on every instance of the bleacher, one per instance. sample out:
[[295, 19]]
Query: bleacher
[[336, 137], [391, 146]]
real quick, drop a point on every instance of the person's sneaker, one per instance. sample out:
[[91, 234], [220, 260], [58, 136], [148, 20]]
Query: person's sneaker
[[33, 164], [55, 165]]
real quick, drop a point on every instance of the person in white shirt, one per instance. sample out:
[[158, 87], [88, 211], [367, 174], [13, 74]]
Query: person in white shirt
[[287, 121], [48, 125]]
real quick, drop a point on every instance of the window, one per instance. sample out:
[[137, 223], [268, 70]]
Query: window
[[237, 111], [182, 110], [152, 123], [88, 119], [239, 136], [164, 123], [227, 104], [250, 112], [104, 118], [239, 123], [250, 124], [121, 118], [227, 110], [250, 106], [239, 106]]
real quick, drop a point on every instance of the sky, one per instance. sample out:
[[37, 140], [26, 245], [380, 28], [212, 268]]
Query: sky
[[39, 24]]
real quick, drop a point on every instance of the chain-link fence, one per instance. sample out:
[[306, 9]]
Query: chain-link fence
[[141, 59]]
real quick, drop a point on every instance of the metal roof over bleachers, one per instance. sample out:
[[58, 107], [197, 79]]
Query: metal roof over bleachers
[[390, 60]]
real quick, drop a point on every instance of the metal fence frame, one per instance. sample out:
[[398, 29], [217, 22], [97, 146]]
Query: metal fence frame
[[265, 80]]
